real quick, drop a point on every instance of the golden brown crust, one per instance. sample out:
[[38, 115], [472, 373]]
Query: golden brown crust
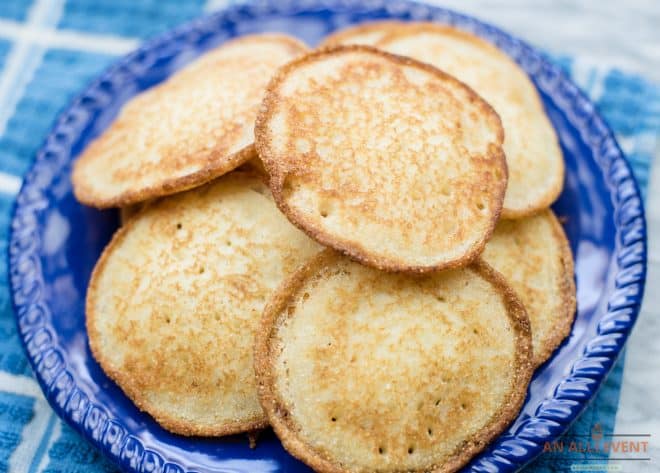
[[126, 382], [563, 321], [276, 409], [346, 35], [413, 29], [210, 163], [164, 353], [354, 249], [86, 195]]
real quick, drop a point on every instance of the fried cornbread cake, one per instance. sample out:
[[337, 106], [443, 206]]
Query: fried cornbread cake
[[360, 370], [365, 33], [177, 295], [387, 159], [193, 127], [534, 158], [534, 256]]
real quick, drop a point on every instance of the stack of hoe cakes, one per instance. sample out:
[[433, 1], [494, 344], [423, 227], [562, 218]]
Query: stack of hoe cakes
[[351, 244]]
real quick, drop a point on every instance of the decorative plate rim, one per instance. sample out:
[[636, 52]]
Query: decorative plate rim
[[507, 453]]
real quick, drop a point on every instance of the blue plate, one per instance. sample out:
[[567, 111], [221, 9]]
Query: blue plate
[[55, 243]]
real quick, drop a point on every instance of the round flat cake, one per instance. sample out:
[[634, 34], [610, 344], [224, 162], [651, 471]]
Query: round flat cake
[[195, 126], [174, 302], [534, 158], [361, 371], [389, 160], [534, 256]]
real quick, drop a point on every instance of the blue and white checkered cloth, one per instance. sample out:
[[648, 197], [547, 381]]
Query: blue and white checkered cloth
[[49, 49]]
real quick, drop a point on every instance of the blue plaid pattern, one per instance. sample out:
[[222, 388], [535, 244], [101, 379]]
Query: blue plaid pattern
[[15, 413], [16, 11], [60, 75], [128, 17], [32, 439], [69, 453]]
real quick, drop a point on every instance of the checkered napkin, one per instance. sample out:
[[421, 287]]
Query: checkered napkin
[[49, 49]]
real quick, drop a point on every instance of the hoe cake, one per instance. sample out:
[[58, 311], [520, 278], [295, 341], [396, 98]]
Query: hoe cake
[[389, 160], [534, 256], [361, 371], [177, 295], [534, 159], [195, 126]]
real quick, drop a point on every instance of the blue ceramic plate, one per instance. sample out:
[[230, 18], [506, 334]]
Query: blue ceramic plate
[[55, 243]]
